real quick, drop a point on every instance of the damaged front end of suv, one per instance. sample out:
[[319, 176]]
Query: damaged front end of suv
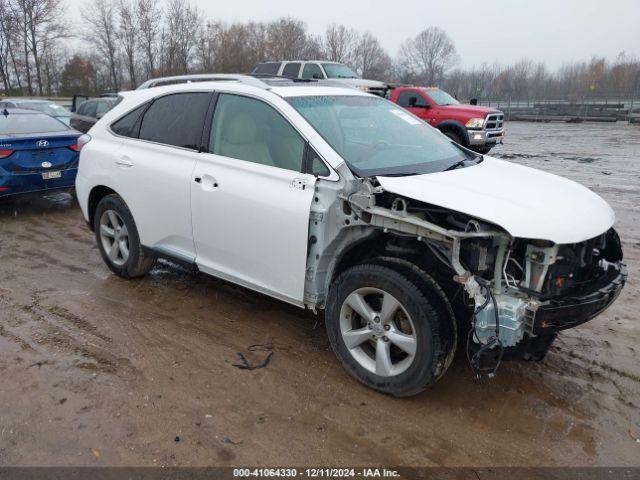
[[513, 294], [418, 245]]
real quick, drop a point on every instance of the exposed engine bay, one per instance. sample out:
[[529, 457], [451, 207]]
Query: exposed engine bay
[[517, 292]]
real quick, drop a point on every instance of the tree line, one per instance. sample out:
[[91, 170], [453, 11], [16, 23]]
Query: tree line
[[121, 43]]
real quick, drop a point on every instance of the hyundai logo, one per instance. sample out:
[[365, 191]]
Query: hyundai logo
[[46, 164], [43, 143]]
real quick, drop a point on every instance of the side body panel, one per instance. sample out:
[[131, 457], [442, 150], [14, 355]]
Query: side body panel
[[251, 223], [154, 180]]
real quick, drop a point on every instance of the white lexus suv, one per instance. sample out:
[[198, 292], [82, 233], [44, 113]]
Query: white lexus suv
[[337, 200]]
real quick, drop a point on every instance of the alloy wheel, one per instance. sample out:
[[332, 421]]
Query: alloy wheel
[[378, 331], [115, 237]]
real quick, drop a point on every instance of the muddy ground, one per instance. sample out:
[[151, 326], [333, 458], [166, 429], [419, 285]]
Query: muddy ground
[[96, 370]]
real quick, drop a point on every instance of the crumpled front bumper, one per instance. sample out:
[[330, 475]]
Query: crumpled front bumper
[[570, 311]]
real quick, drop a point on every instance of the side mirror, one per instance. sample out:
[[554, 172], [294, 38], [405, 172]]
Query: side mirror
[[99, 115]]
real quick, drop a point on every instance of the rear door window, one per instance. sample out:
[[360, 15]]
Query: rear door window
[[268, 68], [291, 69], [176, 119]]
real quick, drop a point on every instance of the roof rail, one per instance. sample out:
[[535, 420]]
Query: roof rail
[[207, 77]]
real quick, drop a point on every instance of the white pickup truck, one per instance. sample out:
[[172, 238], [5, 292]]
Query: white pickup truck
[[337, 200]]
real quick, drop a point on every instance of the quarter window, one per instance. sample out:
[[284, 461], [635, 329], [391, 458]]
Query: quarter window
[[249, 129], [129, 125], [176, 120], [315, 165]]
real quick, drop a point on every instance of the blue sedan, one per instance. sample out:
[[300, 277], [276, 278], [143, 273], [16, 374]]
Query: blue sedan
[[37, 152]]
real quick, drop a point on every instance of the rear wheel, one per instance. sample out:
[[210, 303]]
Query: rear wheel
[[388, 332], [118, 240]]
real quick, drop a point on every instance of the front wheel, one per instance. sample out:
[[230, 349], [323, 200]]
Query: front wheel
[[388, 332], [453, 136], [118, 240]]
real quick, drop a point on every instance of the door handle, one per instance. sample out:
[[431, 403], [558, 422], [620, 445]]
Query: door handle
[[124, 162], [207, 182]]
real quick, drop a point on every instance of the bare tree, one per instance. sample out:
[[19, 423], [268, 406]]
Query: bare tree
[[149, 21], [183, 26], [287, 39], [234, 48], [102, 31], [128, 37], [7, 38], [427, 57], [340, 43], [370, 58], [53, 60], [45, 27], [20, 25]]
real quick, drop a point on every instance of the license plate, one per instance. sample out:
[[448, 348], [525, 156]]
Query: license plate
[[50, 175]]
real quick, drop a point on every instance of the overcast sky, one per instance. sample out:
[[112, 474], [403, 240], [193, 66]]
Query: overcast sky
[[554, 31]]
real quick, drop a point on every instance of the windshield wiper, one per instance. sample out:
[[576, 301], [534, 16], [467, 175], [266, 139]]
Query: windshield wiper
[[456, 165], [471, 157]]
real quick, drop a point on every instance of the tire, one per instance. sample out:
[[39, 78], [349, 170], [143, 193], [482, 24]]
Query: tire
[[420, 324], [129, 262], [453, 136]]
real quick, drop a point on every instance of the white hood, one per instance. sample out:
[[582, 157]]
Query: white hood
[[361, 82], [527, 203]]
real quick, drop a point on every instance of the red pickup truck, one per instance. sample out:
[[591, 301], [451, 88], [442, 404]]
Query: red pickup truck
[[474, 127]]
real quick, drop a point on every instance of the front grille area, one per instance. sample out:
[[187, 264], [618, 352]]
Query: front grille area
[[580, 266], [494, 121]]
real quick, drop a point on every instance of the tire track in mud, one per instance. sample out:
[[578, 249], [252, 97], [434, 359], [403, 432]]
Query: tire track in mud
[[56, 327]]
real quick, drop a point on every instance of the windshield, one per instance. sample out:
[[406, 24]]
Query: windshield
[[375, 137], [18, 123], [49, 108], [440, 97], [337, 70]]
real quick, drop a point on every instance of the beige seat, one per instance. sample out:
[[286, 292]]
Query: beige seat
[[240, 140]]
